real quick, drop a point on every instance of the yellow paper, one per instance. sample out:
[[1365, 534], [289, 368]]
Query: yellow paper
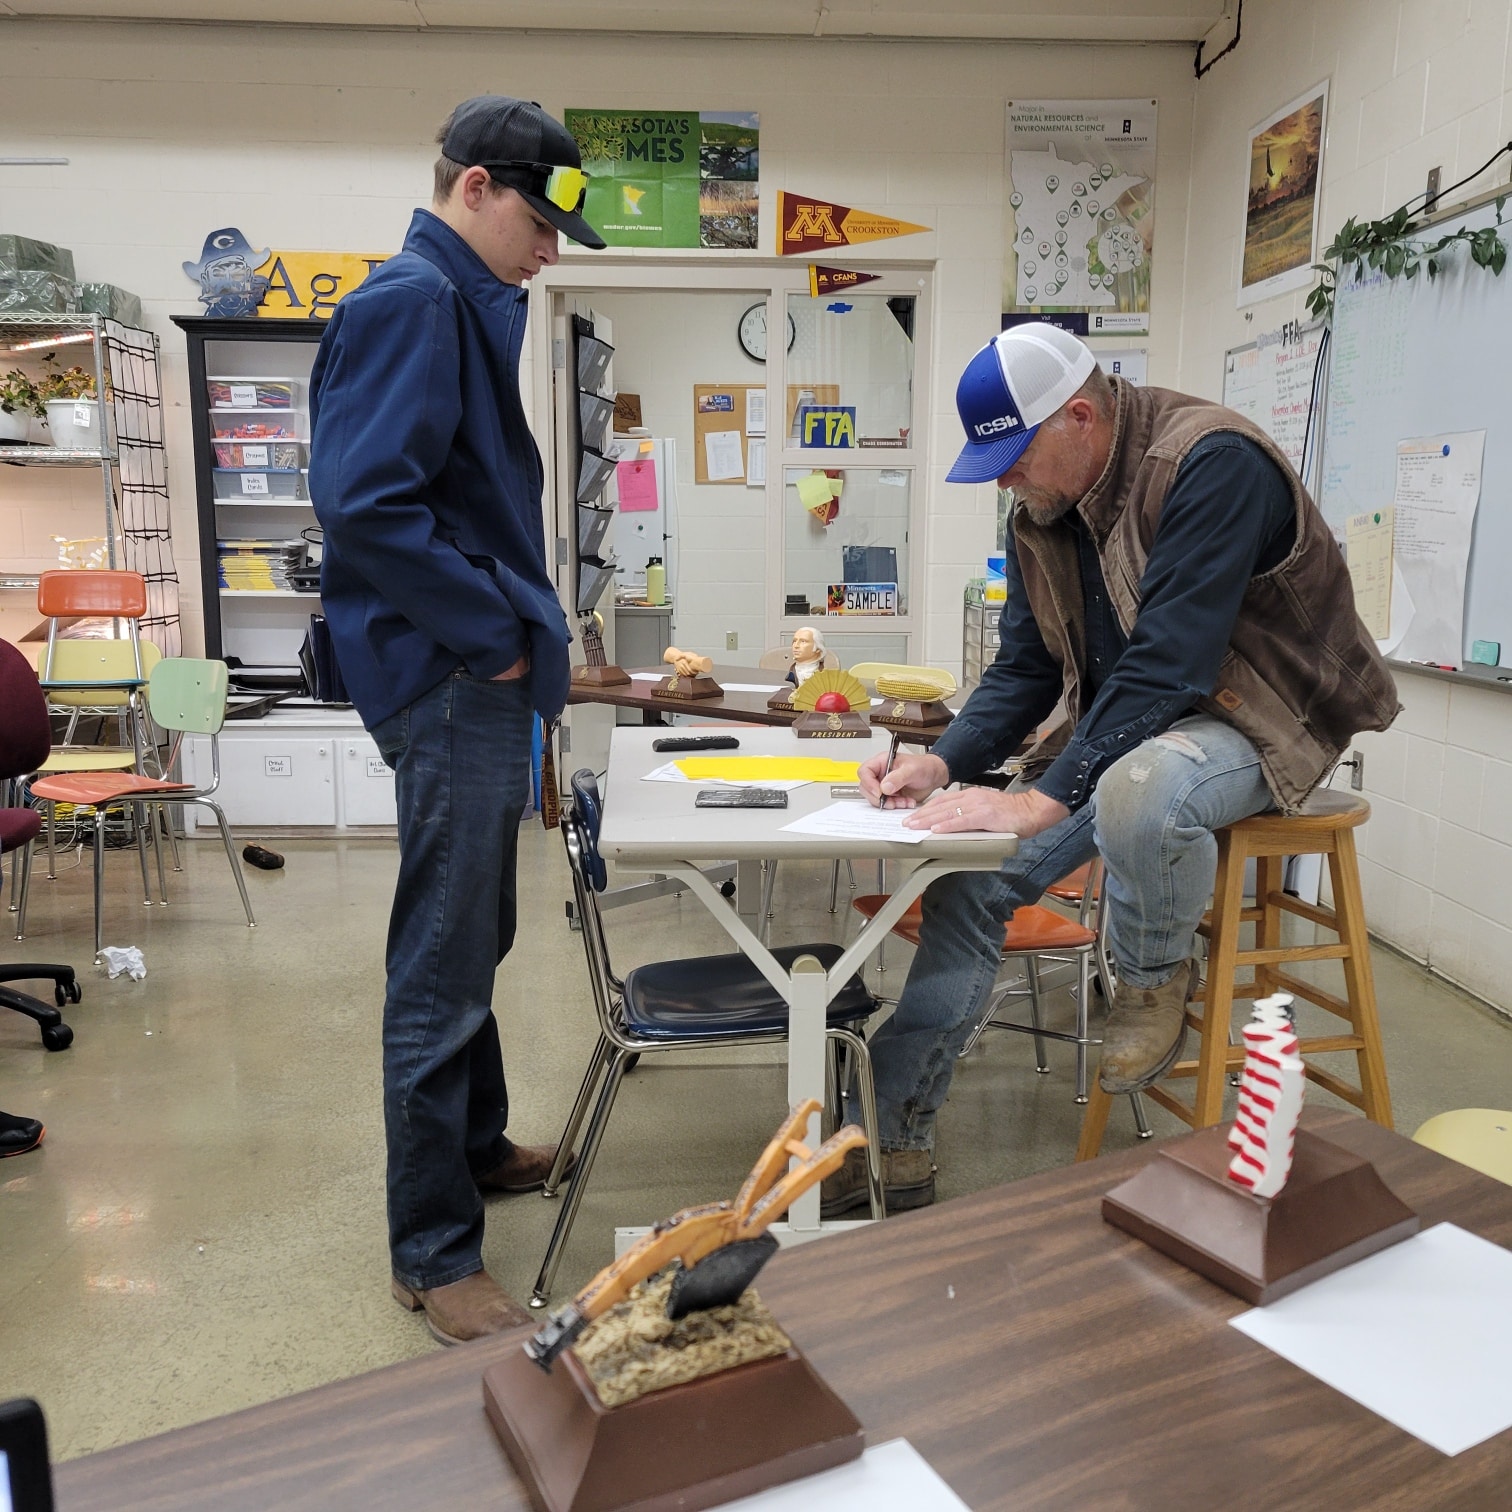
[[1368, 541], [815, 490], [768, 769]]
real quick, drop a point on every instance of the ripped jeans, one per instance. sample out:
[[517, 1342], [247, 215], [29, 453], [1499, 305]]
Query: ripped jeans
[[1152, 821]]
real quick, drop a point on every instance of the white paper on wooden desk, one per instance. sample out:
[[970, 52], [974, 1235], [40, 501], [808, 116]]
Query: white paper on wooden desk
[[1420, 1333], [650, 676], [890, 1477], [750, 687]]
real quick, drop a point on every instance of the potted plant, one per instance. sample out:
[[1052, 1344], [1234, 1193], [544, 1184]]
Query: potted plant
[[73, 409], [20, 404]]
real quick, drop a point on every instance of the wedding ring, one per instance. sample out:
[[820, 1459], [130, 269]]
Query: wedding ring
[[960, 813]]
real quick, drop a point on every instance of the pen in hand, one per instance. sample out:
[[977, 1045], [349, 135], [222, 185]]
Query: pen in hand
[[892, 751]]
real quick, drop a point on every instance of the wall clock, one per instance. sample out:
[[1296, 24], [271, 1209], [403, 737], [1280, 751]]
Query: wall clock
[[753, 332]]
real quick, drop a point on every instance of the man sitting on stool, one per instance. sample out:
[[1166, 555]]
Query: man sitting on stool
[[1169, 576]]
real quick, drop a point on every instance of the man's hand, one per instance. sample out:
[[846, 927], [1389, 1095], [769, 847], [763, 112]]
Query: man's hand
[[975, 808], [510, 674], [911, 781]]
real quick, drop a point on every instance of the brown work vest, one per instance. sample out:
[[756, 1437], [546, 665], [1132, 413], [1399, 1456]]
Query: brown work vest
[[1301, 675]]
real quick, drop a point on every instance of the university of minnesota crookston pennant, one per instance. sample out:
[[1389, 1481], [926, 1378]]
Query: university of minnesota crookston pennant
[[824, 280], [809, 225]]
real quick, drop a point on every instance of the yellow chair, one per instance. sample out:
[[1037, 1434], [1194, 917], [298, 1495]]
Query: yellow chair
[[79, 663], [1480, 1138]]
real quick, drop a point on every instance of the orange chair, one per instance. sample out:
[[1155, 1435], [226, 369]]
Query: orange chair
[[1031, 932]]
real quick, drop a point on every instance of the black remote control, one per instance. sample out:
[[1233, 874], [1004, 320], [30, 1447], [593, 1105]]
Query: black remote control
[[696, 743]]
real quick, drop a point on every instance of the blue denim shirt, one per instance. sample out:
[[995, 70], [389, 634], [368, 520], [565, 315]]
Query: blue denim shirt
[[427, 481], [1229, 515]]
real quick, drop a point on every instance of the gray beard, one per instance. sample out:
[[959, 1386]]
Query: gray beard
[[1044, 509]]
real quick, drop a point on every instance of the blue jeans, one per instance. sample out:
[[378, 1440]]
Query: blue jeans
[[461, 758], [1152, 820]]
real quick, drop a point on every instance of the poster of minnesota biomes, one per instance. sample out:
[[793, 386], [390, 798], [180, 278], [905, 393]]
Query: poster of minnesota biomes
[[670, 178]]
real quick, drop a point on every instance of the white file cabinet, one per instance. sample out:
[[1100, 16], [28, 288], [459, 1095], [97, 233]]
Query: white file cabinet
[[294, 768]]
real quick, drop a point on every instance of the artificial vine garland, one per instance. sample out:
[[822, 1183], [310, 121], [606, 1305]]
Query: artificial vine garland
[[1390, 246]]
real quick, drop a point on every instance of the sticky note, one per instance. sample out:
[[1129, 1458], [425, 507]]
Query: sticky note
[[815, 490]]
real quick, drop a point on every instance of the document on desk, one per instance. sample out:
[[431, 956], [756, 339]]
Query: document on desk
[[1420, 1334], [890, 1477], [857, 821], [670, 773]]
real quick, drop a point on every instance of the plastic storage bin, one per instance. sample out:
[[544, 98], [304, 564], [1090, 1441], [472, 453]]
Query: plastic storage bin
[[251, 393], [254, 425], [282, 456], [248, 485]]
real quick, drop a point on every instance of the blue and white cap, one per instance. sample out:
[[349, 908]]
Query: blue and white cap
[[1009, 389]]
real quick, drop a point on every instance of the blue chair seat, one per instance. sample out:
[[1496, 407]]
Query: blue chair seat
[[725, 995]]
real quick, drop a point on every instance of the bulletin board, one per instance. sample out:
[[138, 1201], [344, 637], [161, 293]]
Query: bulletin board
[[720, 409]]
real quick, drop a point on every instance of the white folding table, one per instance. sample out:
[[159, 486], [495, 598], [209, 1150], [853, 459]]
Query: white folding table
[[654, 827]]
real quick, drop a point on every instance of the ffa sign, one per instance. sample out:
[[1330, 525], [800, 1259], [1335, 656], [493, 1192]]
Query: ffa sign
[[807, 225], [829, 426], [824, 280], [309, 285], [863, 598]]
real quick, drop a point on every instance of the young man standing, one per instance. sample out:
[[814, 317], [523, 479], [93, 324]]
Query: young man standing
[[447, 627]]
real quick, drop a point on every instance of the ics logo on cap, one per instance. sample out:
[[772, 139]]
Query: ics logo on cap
[[996, 427]]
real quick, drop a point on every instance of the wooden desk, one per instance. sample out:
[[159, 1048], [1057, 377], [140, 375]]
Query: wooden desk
[[1072, 1368], [747, 708]]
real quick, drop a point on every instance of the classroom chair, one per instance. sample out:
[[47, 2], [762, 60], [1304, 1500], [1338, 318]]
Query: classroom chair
[[1480, 1138], [185, 696], [1325, 826], [25, 735], [780, 658], [702, 1003]]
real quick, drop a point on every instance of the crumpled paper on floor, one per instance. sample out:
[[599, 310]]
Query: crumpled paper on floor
[[118, 958]]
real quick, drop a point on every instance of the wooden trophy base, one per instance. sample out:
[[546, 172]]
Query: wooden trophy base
[[813, 725], [1333, 1210], [685, 689], [690, 1446], [783, 698], [911, 714], [600, 677]]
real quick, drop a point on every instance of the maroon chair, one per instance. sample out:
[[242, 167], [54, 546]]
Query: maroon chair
[[25, 740]]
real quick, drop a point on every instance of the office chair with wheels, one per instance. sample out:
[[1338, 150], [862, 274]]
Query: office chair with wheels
[[703, 1003], [25, 739]]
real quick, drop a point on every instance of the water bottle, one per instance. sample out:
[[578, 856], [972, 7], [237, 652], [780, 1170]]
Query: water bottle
[[656, 581]]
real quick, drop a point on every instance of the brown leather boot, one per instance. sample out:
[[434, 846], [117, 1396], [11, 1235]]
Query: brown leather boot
[[524, 1169], [907, 1182], [471, 1308], [1146, 1031]]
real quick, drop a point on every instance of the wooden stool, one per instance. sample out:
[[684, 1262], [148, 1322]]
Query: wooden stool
[[1325, 826]]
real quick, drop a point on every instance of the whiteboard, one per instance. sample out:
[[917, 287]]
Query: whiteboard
[[1417, 359], [1270, 382]]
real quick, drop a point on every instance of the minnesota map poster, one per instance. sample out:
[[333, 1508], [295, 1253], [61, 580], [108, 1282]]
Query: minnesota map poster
[[1080, 220]]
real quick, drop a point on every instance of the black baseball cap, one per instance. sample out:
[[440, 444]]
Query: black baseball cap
[[521, 145]]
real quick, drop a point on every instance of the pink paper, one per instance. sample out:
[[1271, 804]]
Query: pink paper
[[637, 485]]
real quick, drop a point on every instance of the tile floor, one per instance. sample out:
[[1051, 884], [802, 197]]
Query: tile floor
[[203, 1228]]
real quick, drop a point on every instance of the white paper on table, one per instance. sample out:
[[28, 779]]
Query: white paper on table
[[1419, 1333], [722, 456], [890, 1477], [648, 676], [756, 462], [750, 687], [1438, 484], [670, 772], [853, 821], [756, 412]]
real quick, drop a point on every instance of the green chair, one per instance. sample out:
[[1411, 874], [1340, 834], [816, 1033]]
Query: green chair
[[185, 697]]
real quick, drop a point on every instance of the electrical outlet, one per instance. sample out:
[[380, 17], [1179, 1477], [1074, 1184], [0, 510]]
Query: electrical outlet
[[732, 640], [1357, 771]]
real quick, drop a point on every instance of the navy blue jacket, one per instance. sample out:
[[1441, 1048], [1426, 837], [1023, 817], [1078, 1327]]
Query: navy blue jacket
[[427, 481]]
